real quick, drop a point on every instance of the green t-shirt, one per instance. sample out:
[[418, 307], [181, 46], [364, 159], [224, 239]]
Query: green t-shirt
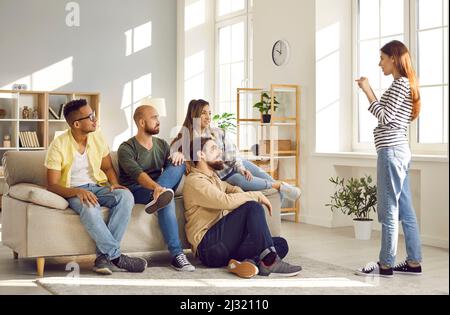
[[135, 159]]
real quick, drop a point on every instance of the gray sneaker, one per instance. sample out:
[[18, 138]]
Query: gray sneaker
[[103, 266], [279, 268], [291, 192], [131, 264]]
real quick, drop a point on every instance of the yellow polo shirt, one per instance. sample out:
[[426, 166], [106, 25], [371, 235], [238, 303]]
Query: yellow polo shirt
[[61, 152]]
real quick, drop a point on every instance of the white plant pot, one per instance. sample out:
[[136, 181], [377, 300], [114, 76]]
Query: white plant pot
[[363, 229]]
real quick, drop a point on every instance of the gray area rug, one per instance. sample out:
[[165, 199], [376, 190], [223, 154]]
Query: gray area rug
[[159, 279]]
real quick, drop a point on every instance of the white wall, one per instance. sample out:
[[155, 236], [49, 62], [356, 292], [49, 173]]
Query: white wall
[[34, 37], [293, 21]]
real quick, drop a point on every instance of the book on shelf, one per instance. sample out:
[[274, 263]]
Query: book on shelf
[[55, 116], [28, 139], [61, 111], [35, 140]]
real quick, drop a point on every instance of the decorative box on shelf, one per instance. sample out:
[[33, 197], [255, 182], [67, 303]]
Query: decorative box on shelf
[[280, 147]]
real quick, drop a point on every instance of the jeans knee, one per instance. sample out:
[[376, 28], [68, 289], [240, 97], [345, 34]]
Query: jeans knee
[[90, 212], [125, 197], [254, 207]]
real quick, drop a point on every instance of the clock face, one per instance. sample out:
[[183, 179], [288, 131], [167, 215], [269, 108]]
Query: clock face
[[280, 52]]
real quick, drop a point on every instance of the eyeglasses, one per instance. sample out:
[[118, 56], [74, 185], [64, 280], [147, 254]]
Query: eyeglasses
[[91, 117]]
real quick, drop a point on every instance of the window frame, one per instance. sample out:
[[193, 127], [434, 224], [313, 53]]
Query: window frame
[[411, 41], [245, 16]]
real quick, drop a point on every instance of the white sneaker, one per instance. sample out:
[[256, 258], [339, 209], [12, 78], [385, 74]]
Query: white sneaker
[[291, 192], [161, 202]]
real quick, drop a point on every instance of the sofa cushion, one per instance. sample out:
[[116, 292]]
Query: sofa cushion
[[25, 167], [38, 195]]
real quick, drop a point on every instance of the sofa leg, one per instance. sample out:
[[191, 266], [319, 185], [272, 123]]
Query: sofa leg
[[40, 263], [16, 255]]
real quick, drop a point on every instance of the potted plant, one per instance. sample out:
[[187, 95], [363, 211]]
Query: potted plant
[[356, 197], [265, 105], [226, 122]]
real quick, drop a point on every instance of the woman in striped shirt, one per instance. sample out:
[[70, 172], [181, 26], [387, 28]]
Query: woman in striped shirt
[[398, 107]]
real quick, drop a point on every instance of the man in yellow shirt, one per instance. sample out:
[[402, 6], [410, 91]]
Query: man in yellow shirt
[[226, 225], [79, 168]]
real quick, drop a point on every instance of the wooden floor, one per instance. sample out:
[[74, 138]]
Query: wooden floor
[[335, 246]]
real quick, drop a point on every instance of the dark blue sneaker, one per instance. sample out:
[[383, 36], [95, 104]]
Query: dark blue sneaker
[[404, 269], [375, 270]]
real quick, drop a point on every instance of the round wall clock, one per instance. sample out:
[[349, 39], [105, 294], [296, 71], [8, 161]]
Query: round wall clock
[[280, 52]]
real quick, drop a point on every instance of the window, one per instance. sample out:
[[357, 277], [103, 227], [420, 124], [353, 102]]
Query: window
[[233, 51], [432, 43], [424, 29]]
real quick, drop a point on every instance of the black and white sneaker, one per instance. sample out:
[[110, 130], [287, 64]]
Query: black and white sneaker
[[181, 263], [375, 270], [404, 268], [161, 202]]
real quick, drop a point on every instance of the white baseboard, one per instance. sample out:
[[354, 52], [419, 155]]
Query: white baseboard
[[319, 221], [434, 241]]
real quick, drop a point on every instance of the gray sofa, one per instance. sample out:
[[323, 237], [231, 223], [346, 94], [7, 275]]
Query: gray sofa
[[33, 229]]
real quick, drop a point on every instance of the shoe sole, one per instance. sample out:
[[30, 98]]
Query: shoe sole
[[407, 273], [103, 271], [163, 200], [182, 269], [292, 274], [360, 273], [243, 269]]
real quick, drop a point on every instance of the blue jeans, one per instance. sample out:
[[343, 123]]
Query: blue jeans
[[261, 180], [395, 204], [242, 234], [170, 178], [107, 236]]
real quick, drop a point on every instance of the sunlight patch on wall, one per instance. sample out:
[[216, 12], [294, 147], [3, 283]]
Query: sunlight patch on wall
[[49, 78], [54, 76], [194, 14], [25, 80], [138, 38]]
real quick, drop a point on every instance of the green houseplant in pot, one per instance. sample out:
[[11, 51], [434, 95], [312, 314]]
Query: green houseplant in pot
[[226, 122], [265, 106], [356, 197]]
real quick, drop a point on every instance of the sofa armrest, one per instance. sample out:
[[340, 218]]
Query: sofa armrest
[[37, 195]]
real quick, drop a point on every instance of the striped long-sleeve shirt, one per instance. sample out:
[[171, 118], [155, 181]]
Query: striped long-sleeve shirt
[[393, 112]]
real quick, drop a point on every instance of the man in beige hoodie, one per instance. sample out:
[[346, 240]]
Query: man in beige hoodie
[[227, 226]]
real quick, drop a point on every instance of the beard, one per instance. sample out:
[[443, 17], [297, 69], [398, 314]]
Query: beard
[[151, 131], [216, 165]]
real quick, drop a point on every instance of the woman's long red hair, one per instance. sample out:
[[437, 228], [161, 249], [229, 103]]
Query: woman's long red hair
[[403, 63]]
